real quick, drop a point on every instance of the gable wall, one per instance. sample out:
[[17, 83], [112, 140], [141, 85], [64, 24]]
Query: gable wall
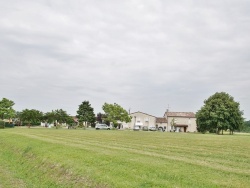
[[141, 119], [191, 122]]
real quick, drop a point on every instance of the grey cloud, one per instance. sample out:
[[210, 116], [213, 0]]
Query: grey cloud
[[141, 54]]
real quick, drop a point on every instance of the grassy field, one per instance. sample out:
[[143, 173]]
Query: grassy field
[[40, 157]]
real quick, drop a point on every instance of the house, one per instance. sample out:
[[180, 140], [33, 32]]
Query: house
[[172, 121], [162, 123], [8, 120], [140, 119], [181, 121]]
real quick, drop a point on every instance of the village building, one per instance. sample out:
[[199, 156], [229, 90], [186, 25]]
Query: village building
[[140, 119], [181, 121], [171, 122], [162, 123]]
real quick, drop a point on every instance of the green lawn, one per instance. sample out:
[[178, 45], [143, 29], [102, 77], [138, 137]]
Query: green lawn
[[40, 157]]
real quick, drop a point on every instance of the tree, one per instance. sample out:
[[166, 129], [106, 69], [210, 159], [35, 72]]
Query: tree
[[246, 126], [99, 117], [62, 116], [31, 116], [59, 116], [115, 113], [2, 124], [173, 124], [219, 112], [6, 110], [17, 120], [85, 113], [49, 117]]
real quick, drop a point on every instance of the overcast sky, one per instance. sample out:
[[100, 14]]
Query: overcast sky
[[141, 54]]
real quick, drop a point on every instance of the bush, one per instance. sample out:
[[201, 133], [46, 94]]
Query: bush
[[2, 124], [80, 125], [9, 125], [212, 131]]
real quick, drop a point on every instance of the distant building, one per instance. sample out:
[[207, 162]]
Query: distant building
[[140, 119], [162, 123], [172, 121], [181, 121]]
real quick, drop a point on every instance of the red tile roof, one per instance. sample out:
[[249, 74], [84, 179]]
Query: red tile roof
[[161, 120], [180, 114]]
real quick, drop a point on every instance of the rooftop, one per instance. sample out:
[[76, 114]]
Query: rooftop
[[180, 114]]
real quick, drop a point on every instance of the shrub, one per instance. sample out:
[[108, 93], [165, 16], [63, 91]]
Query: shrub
[[80, 125], [2, 124], [9, 125], [212, 131]]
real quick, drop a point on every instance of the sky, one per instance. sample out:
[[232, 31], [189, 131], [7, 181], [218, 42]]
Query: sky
[[145, 55]]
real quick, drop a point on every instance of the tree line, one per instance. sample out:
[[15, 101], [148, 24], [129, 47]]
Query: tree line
[[85, 115], [219, 113]]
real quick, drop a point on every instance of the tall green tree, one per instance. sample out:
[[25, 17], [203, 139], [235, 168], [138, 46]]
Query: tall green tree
[[114, 113], [246, 126], [31, 116], [100, 117], [62, 116], [49, 117], [6, 108], [85, 114], [17, 120], [59, 115], [219, 112]]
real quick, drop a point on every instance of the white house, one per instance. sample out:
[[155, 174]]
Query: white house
[[140, 119], [172, 121], [181, 121]]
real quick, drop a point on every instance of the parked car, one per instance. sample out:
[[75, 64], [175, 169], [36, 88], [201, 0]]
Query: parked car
[[102, 127], [152, 128], [145, 128], [136, 128]]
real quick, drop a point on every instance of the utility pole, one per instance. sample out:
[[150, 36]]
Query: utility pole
[[168, 108]]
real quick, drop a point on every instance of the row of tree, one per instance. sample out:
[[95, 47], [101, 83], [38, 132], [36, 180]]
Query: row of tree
[[85, 114], [112, 113], [219, 113]]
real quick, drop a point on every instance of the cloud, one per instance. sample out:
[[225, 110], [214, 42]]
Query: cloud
[[141, 54]]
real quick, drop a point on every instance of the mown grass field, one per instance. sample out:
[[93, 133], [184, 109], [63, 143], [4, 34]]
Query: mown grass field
[[40, 157]]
